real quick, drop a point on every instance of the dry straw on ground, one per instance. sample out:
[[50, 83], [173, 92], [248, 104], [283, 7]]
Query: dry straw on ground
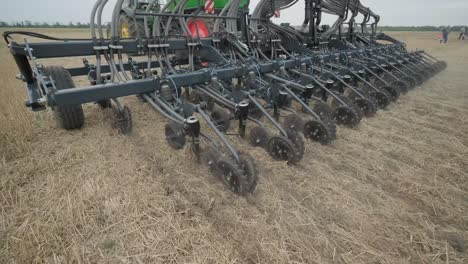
[[394, 190]]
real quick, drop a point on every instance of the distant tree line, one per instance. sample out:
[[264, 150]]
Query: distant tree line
[[30, 24], [422, 28]]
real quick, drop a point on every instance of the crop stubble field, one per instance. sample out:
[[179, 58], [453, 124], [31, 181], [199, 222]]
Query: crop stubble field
[[393, 190]]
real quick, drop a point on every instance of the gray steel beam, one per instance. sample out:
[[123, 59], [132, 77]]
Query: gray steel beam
[[86, 48], [102, 92], [82, 71], [134, 87]]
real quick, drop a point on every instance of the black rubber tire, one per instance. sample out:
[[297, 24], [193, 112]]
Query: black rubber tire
[[444, 65], [281, 148], [68, 117], [366, 106], [430, 70], [410, 81], [326, 115], [232, 176], [418, 78], [298, 141], [402, 86], [332, 128], [135, 30], [175, 135], [380, 98], [355, 110], [250, 172], [323, 110], [294, 122], [426, 75], [210, 157], [346, 116], [123, 121], [393, 92], [259, 137], [318, 131], [435, 68], [363, 102]]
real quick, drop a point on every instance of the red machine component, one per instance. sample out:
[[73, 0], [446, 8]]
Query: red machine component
[[195, 25]]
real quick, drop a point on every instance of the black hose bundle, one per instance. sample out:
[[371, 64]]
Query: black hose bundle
[[7, 36]]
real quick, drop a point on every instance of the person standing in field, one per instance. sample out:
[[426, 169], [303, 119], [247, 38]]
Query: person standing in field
[[445, 33], [462, 33]]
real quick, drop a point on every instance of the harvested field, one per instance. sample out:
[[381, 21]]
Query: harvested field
[[393, 190]]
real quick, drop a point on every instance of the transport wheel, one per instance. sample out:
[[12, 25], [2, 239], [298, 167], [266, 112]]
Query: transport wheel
[[362, 101], [68, 117], [426, 75], [380, 98], [437, 67], [430, 71], [298, 141], [402, 86], [325, 113], [129, 28], [440, 66], [259, 137], [410, 81], [349, 103], [281, 148], [434, 68], [347, 114], [444, 65], [394, 93], [366, 106], [294, 122], [249, 171], [221, 119], [418, 78], [232, 176], [323, 110], [331, 125], [123, 121], [175, 135], [317, 131], [210, 157]]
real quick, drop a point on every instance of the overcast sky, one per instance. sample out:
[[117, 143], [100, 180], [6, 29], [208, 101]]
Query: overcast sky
[[392, 12]]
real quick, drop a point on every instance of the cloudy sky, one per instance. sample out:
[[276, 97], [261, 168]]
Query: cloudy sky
[[393, 12]]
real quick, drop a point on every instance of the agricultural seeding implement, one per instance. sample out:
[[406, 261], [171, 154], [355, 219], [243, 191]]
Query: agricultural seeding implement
[[207, 64]]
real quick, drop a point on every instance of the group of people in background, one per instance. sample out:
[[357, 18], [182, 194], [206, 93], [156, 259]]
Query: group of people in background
[[446, 31]]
